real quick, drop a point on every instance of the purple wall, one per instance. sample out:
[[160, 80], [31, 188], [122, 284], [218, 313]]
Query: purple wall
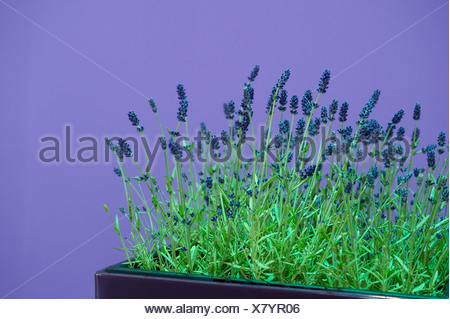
[[51, 215]]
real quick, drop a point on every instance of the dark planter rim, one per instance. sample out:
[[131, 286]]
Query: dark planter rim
[[122, 268]]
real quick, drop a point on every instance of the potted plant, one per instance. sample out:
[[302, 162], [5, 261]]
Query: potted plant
[[315, 208]]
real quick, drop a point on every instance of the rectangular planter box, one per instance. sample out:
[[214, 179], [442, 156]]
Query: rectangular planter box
[[118, 281]]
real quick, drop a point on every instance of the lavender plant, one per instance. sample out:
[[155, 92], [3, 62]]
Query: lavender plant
[[334, 217]]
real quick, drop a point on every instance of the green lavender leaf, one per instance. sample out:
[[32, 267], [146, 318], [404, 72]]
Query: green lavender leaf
[[401, 263], [421, 223], [266, 184], [116, 226], [138, 224], [419, 288], [194, 250]]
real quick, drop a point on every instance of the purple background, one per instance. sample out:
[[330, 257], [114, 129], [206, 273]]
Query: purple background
[[48, 211]]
